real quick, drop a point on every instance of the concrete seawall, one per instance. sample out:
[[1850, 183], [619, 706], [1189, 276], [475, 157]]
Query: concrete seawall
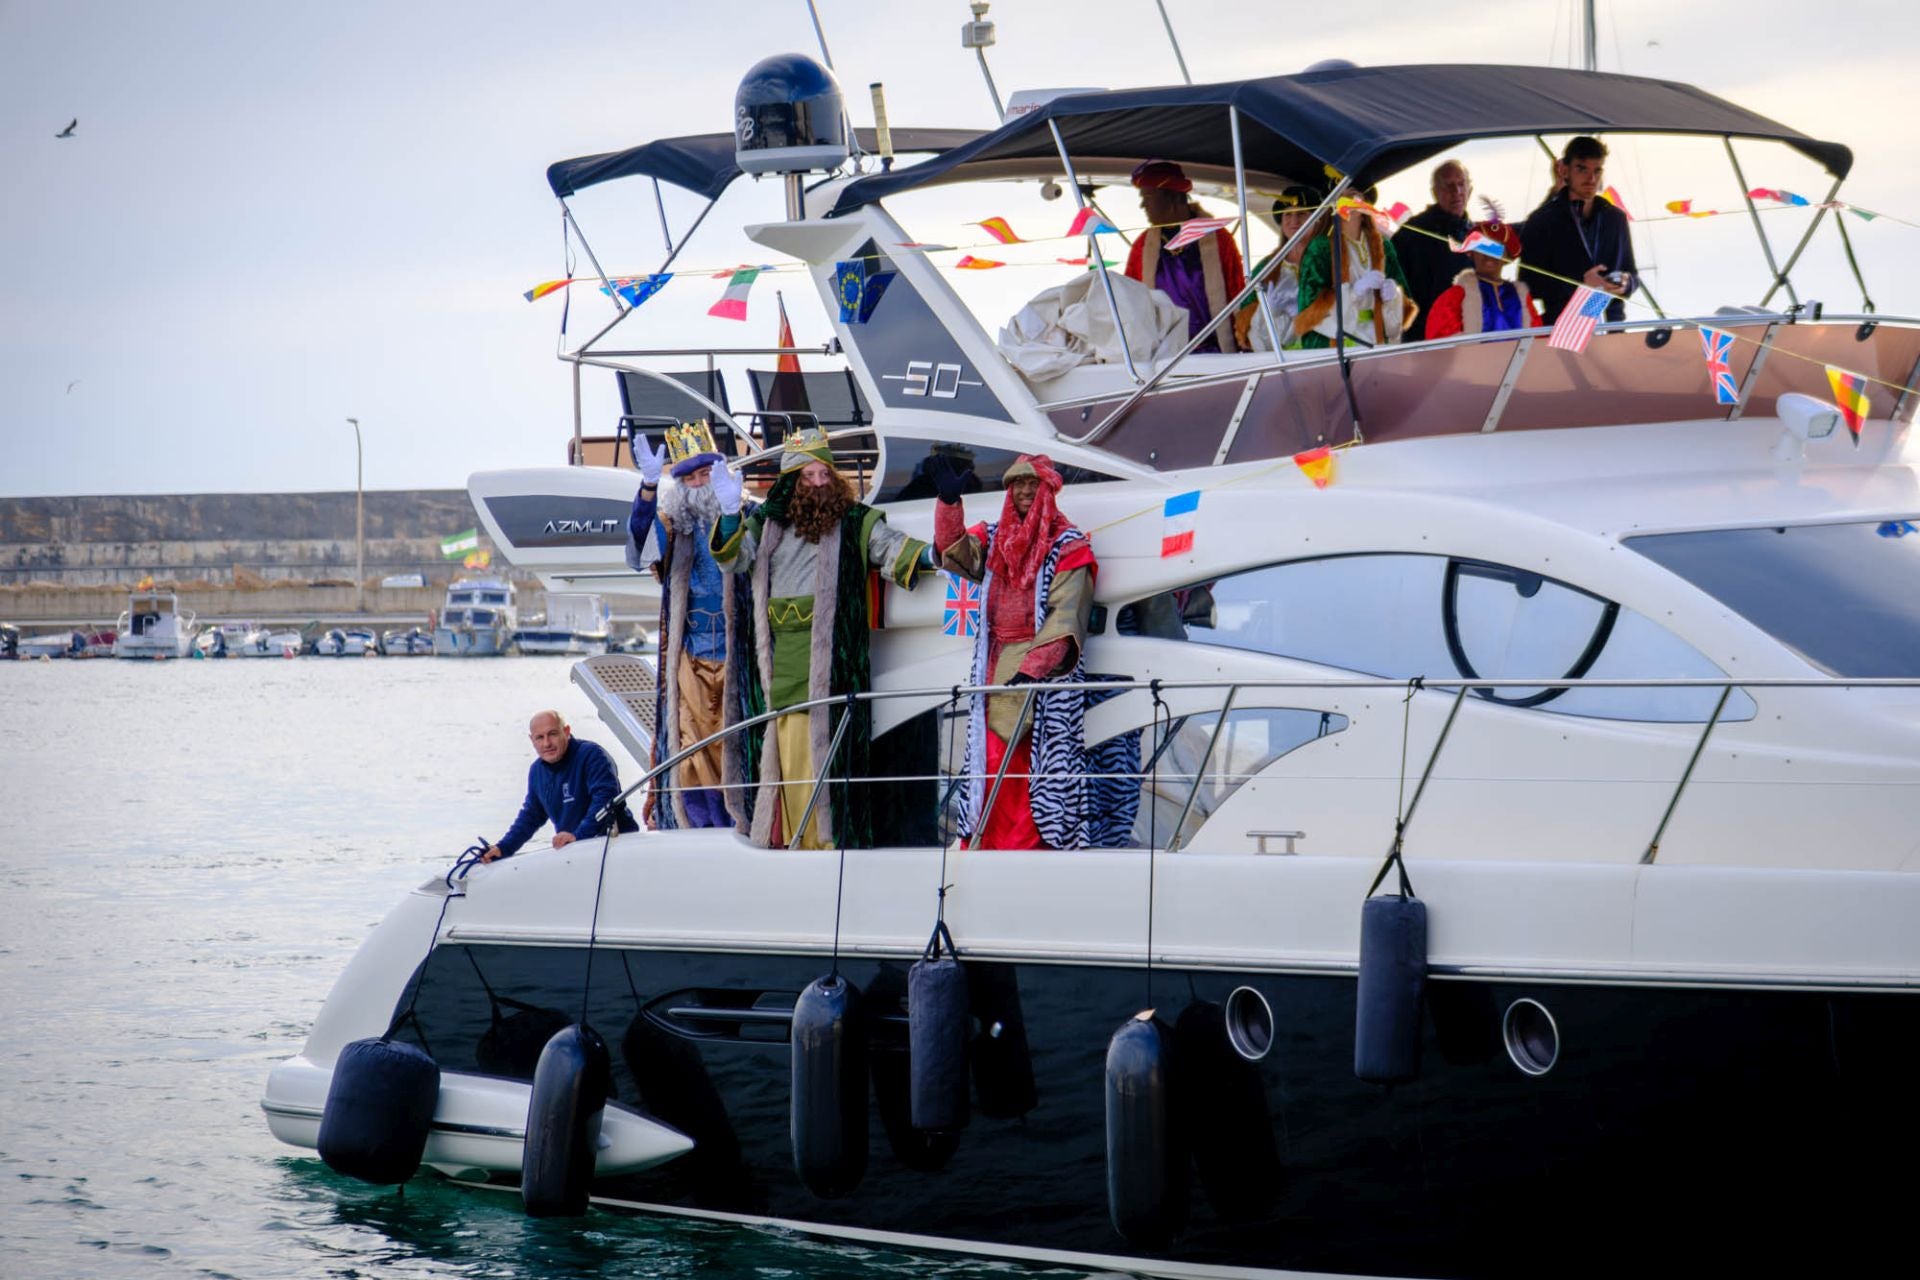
[[267, 556]]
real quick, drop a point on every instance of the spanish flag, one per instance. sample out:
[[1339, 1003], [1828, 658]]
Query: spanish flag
[[1850, 397], [999, 230], [1316, 465]]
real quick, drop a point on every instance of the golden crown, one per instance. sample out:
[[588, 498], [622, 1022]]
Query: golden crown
[[689, 440], [802, 447]]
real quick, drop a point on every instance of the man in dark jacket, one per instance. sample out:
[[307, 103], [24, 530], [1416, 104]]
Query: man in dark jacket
[[1579, 235], [571, 782], [1430, 265]]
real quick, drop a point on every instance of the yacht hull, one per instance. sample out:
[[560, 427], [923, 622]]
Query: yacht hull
[[1671, 1116]]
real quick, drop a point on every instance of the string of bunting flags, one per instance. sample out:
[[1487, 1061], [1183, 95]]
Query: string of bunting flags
[[1089, 221]]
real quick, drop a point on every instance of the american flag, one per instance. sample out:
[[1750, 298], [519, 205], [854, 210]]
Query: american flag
[[1195, 229], [962, 614], [1717, 346], [1574, 329]]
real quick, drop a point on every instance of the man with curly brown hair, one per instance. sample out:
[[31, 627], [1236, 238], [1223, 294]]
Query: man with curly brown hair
[[809, 548]]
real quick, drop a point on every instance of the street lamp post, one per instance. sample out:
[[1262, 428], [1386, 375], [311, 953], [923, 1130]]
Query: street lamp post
[[359, 524]]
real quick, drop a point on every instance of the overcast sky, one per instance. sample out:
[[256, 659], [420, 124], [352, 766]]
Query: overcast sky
[[273, 216]]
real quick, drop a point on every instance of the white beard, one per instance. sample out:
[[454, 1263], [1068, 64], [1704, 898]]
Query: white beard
[[683, 507]]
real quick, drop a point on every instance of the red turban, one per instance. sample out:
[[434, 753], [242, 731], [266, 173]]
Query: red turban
[[1021, 546], [1504, 233], [1164, 174]]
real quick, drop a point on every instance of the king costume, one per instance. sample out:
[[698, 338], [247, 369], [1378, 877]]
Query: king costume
[[807, 630], [668, 533], [1038, 572]]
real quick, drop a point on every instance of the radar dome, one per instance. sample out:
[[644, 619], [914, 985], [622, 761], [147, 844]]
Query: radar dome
[[1334, 64], [788, 118]]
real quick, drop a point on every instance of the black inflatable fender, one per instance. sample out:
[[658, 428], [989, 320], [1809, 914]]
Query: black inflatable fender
[[1147, 1191], [379, 1108], [828, 1116], [1393, 979], [571, 1083], [938, 1027]]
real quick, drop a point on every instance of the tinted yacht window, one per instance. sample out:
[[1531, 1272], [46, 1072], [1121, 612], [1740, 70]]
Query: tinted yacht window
[[1846, 597], [1402, 616]]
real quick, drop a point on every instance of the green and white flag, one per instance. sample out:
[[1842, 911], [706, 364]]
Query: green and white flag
[[460, 543]]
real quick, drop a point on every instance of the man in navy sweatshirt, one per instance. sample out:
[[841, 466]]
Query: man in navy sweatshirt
[[571, 782]]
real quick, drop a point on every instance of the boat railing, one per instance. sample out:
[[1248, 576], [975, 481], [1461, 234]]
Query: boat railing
[[1633, 372], [955, 697]]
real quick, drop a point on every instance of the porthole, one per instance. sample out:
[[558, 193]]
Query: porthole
[[1532, 1037], [1249, 1024]]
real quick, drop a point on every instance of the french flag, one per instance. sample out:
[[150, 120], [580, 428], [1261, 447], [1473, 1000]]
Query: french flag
[[1179, 516]]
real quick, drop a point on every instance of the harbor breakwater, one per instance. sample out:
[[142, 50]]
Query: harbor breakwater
[[241, 555]]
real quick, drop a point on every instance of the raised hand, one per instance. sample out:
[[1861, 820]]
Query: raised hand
[[650, 460], [1370, 282], [949, 479], [727, 487]]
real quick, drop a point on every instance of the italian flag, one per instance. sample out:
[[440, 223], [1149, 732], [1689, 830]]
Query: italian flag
[[733, 303], [459, 544]]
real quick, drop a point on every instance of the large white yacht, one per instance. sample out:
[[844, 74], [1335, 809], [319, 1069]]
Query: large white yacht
[[1627, 677]]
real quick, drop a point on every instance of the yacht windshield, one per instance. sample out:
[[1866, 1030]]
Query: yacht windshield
[[1846, 597]]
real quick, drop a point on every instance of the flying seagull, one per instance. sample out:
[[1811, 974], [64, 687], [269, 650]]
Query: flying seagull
[[68, 131], [72, 385]]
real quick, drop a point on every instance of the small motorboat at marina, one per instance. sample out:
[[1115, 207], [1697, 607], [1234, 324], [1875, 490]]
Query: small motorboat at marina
[[1572, 647], [154, 627], [346, 642], [573, 622], [412, 642]]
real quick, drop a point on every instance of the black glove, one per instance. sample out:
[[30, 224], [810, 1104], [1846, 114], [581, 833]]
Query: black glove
[[1021, 677], [948, 479]]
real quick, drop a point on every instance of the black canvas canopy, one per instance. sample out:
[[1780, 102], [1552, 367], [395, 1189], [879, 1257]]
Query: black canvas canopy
[[1365, 122], [703, 163]]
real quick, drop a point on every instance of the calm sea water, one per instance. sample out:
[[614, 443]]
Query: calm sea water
[[189, 854]]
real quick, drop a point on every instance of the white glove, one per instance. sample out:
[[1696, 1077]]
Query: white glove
[[1369, 283], [727, 487], [650, 461]]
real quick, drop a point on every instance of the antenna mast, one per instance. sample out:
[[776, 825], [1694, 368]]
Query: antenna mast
[[1590, 36], [977, 35], [1173, 40]]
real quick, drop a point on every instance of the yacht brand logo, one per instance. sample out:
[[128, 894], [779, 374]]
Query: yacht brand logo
[[527, 520], [580, 528]]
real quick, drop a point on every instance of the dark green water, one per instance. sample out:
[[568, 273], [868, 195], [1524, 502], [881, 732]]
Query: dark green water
[[189, 854]]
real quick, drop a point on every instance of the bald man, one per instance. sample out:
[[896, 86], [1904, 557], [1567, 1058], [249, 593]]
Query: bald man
[[572, 780]]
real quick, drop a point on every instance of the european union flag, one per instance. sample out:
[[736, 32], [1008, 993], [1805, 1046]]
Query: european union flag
[[850, 286]]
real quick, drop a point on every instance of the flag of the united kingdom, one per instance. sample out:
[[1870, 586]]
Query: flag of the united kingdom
[[962, 615], [1717, 346]]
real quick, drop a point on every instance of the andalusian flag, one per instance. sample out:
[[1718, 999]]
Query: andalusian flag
[[733, 303], [1316, 465], [1850, 396], [459, 544], [999, 229]]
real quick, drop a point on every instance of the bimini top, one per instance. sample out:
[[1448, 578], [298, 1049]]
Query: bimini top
[[703, 163], [1366, 122]]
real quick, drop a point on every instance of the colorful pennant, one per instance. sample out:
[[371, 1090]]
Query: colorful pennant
[[733, 302], [1089, 222], [634, 290], [1686, 207], [1777, 196], [1574, 329], [1178, 518], [968, 262], [1317, 465], [546, 287], [999, 229], [1086, 262], [1717, 346], [1193, 230], [1478, 242], [1850, 397], [1613, 198]]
